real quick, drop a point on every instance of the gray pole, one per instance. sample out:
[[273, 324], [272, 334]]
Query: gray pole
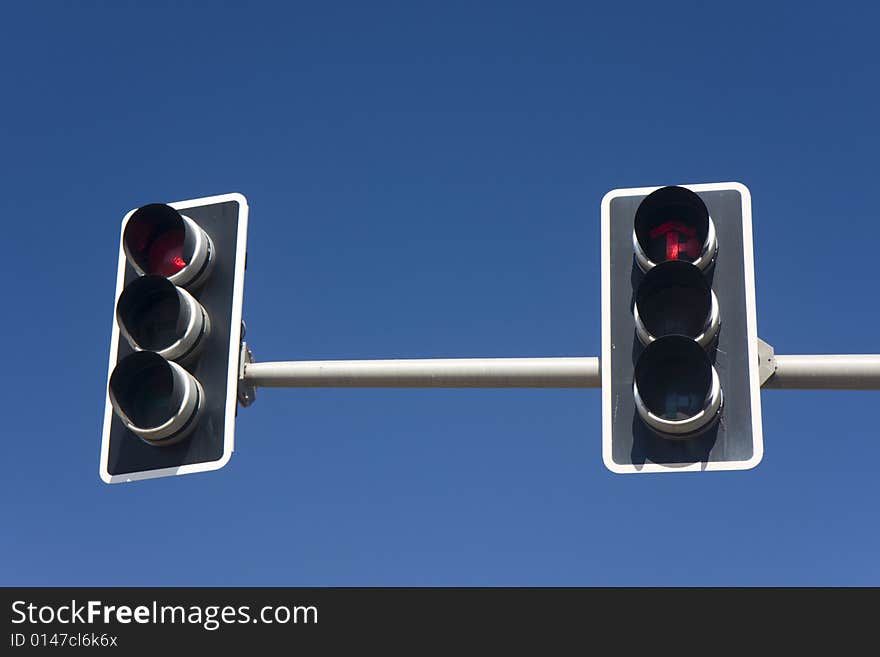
[[841, 372], [827, 372], [428, 373]]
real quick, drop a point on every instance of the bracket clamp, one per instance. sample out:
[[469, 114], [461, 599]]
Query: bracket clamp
[[247, 391], [766, 361]]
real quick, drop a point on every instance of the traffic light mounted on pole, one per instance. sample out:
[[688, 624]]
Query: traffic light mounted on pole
[[680, 370], [174, 351]]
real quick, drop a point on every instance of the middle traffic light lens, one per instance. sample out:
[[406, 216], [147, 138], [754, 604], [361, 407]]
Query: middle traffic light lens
[[156, 315], [674, 298], [149, 311]]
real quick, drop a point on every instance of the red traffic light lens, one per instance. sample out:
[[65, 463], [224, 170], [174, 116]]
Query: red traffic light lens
[[155, 240], [673, 224], [160, 241], [676, 240], [165, 253]]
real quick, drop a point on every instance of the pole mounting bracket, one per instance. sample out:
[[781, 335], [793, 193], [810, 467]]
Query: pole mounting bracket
[[766, 361], [247, 391]]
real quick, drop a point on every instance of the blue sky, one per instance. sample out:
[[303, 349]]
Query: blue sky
[[424, 180]]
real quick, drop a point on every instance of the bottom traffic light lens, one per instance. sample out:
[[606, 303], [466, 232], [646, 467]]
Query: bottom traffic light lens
[[156, 399], [676, 388], [149, 396]]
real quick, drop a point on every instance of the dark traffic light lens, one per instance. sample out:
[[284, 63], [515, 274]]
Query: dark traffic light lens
[[676, 392], [143, 385], [156, 315], [672, 223], [147, 397], [674, 298], [150, 311], [156, 399], [676, 388]]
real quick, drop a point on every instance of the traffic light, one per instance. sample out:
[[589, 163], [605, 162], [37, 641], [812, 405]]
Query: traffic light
[[680, 380], [174, 350]]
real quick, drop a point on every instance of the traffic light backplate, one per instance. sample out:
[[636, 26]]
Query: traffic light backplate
[[733, 441], [206, 379]]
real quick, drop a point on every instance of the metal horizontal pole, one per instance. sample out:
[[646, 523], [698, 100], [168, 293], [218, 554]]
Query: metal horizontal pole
[[827, 372], [428, 373], [820, 372]]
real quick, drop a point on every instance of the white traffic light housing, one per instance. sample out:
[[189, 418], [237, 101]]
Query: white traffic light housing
[[680, 380], [174, 352]]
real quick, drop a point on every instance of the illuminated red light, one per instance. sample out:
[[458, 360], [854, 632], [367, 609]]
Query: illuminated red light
[[681, 240], [165, 253], [672, 245]]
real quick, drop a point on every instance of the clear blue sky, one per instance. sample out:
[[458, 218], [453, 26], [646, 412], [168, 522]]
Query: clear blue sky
[[424, 180]]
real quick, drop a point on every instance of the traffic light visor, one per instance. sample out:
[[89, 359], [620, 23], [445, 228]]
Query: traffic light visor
[[158, 240]]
